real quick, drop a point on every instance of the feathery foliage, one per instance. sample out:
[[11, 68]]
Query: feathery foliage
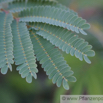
[[55, 16], [52, 61], [6, 44], [23, 51], [17, 6], [40, 29], [65, 40]]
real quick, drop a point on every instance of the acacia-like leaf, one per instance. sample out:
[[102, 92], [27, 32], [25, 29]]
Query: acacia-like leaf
[[18, 6], [52, 61], [65, 40], [23, 51], [6, 44], [54, 16]]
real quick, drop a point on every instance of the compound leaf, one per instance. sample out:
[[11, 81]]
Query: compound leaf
[[51, 60], [6, 44], [23, 51], [65, 40], [54, 16]]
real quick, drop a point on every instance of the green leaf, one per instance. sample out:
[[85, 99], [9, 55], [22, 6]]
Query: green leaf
[[85, 26], [72, 79], [51, 59], [29, 78], [20, 5], [54, 16], [65, 84], [59, 81], [23, 51], [4, 69], [6, 44], [90, 53], [64, 40], [87, 60]]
